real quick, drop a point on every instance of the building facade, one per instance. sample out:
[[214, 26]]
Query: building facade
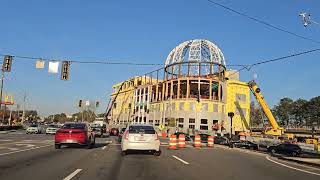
[[195, 93]]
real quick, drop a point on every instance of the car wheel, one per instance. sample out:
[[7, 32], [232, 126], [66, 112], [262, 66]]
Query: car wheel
[[123, 153], [57, 146], [157, 153], [273, 151], [294, 154]]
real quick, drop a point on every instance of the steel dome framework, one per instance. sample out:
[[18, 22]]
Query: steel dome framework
[[197, 57]]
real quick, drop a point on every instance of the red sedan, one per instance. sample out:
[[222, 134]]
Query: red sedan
[[74, 134]]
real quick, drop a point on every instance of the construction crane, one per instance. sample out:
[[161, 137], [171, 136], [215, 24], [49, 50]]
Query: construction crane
[[113, 101], [276, 130]]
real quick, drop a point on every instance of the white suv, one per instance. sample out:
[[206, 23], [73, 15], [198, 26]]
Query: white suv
[[140, 137]]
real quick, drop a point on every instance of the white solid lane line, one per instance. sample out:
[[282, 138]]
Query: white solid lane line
[[104, 147], [268, 158], [25, 150], [179, 159], [72, 174]]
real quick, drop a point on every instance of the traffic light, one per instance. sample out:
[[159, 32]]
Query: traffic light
[[80, 103], [65, 70], [97, 104], [7, 62]]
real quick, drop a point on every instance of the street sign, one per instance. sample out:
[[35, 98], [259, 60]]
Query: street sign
[[161, 127]]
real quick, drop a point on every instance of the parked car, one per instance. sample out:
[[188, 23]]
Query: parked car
[[33, 129], [75, 134], [120, 134], [114, 132], [287, 149], [204, 138], [52, 129], [246, 145], [140, 137], [221, 140]]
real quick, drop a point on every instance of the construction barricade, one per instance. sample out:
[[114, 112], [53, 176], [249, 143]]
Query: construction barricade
[[182, 141], [210, 141], [173, 142], [197, 141]]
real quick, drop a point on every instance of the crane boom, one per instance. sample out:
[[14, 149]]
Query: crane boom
[[276, 129]]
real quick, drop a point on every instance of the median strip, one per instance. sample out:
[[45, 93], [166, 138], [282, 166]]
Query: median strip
[[72, 174], [179, 159]]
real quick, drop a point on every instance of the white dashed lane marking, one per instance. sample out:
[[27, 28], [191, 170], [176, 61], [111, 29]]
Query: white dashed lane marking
[[179, 159], [74, 173]]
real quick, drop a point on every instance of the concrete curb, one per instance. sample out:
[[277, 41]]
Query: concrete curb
[[265, 153], [299, 161], [6, 132]]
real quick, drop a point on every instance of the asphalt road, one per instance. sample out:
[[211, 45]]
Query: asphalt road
[[37, 159]]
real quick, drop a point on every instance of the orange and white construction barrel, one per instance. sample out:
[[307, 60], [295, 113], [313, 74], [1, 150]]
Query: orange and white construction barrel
[[210, 141], [182, 141], [197, 141], [173, 142]]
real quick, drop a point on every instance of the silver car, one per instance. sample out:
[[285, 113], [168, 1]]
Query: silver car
[[33, 129], [140, 137], [52, 129]]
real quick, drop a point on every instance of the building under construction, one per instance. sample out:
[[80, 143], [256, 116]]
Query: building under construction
[[193, 92]]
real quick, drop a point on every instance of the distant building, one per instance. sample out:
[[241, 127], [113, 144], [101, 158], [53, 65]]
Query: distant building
[[195, 91]]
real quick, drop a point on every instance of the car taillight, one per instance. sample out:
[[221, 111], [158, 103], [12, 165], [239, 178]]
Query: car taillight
[[126, 135], [156, 136]]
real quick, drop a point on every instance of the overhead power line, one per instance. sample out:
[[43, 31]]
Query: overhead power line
[[86, 62], [248, 67], [262, 22], [99, 62]]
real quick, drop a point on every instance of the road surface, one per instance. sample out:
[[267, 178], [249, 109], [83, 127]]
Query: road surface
[[34, 157]]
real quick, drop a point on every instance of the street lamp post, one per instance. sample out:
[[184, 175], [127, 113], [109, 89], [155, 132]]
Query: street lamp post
[[230, 114]]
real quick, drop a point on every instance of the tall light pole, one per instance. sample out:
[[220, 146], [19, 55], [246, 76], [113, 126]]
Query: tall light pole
[[230, 114]]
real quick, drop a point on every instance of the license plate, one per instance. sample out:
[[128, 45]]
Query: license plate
[[69, 141], [141, 138]]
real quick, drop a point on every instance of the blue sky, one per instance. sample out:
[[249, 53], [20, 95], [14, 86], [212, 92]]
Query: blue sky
[[145, 31]]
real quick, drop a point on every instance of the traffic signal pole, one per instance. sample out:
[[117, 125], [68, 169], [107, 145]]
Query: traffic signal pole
[[2, 77]]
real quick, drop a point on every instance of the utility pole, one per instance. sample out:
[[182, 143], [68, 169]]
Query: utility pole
[[24, 105]]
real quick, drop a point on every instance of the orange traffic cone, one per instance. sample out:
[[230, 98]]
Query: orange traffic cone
[[173, 142], [210, 141], [182, 141], [197, 141]]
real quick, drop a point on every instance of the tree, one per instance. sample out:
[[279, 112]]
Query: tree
[[283, 111], [256, 117], [313, 111], [299, 112]]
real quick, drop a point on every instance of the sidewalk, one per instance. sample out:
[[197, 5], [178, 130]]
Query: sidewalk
[[308, 161]]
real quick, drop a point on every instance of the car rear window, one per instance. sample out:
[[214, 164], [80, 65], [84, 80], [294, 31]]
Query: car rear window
[[73, 126], [33, 125], [142, 129]]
